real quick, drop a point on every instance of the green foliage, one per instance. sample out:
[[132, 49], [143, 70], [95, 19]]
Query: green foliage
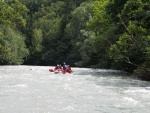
[[12, 44], [50, 19], [101, 19], [133, 43], [37, 41], [12, 47], [11, 13], [60, 24], [86, 49], [105, 33], [100, 33], [122, 33], [78, 36]]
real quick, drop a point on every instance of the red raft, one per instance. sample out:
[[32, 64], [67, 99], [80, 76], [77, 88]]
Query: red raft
[[56, 71]]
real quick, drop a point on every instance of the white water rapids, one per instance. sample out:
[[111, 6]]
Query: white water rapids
[[33, 89]]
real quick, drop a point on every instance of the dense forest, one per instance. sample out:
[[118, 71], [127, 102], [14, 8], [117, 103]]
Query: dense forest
[[110, 34]]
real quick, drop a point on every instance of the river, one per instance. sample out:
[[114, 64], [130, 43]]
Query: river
[[33, 89]]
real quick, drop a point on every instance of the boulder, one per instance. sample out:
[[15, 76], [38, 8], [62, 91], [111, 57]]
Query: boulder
[[146, 76]]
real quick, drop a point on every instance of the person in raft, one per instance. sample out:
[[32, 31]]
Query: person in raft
[[69, 69], [57, 67], [66, 68]]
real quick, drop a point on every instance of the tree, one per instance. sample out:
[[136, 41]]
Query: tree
[[77, 34], [12, 47], [126, 34], [11, 13], [133, 44], [12, 44]]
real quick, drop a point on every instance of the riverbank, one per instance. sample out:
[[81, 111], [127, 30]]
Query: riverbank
[[142, 74]]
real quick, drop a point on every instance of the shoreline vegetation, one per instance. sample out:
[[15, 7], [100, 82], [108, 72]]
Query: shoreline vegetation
[[104, 34]]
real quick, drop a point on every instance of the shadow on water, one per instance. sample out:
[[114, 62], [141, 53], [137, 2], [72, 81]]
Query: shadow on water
[[115, 78], [101, 72], [118, 79]]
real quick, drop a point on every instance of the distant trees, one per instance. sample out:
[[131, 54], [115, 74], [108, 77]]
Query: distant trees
[[86, 33], [81, 40], [126, 37], [12, 43], [58, 24], [134, 42]]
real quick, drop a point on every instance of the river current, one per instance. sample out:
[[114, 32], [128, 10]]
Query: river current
[[33, 89]]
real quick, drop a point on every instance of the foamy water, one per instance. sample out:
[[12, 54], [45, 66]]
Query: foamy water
[[33, 89]]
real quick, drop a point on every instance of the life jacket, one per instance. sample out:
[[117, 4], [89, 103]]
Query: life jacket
[[69, 69], [57, 67]]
